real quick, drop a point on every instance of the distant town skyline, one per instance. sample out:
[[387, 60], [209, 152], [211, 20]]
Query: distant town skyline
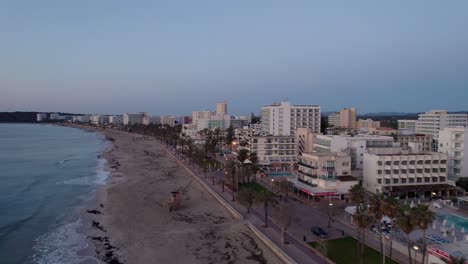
[[168, 58]]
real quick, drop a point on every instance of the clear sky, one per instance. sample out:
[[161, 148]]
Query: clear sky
[[172, 57]]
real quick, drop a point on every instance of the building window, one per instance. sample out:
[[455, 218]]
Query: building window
[[419, 171], [379, 181], [420, 162], [418, 179], [412, 162], [434, 179], [379, 163], [443, 170], [396, 162], [388, 172], [427, 170], [411, 171], [387, 181], [379, 172], [396, 172], [427, 162], [403, 180], [388, 163], [435, 170], [404, 171], [405, 162], [441, 179], [395, 180], [435, 162], [443, 162], [411, 180]]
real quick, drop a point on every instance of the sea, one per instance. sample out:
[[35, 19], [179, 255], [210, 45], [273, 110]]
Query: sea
[[47, 174]]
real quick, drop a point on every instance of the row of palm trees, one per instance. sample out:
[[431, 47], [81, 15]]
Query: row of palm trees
[[371, 209]]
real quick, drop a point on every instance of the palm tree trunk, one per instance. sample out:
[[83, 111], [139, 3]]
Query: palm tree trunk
[[266, 214], [409, 249], [359, 241], [381, 242], [424, 249], [363, 245]]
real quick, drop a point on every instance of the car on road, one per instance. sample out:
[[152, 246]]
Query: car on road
[[318, 231]]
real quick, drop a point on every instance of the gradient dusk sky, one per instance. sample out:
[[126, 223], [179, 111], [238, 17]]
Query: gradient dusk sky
[[172, 57]]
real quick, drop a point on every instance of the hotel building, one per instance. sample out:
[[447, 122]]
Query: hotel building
[[452, 142], [133, 118], [274, 151], [346, 118], [436, 120], [282, 119], [324, 174], [367, 124], [407, 126], [424, 139], [406, 173]]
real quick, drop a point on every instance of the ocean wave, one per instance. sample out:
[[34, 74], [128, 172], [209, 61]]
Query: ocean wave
[[98, 178], [61, 245]]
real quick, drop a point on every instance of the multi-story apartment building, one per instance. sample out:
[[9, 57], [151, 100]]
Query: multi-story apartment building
[[346, 118], [274, 151], [116, 120], [221, 109], [282, 119], [304, 140], [405, 173], [151, 120], [326, 174], [239, 121], [334, 119], [453, 142], [355, 146], [94, 119], [424, 139], [407, 126], [133, 118], [41, 117], [367, 124], [436, 120], [167, 120]]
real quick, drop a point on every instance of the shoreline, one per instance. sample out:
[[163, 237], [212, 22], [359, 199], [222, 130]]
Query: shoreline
[[202, 231]]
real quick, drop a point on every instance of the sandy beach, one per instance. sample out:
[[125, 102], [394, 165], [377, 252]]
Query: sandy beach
[[130, 223]]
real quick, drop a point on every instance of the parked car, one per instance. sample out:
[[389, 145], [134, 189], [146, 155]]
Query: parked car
[[318, 231]]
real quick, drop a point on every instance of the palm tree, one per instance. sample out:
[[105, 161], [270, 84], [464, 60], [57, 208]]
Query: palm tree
[[423, 218], [247, 197], [357, 193], [363, 219], [377, 206], [268, 199], [391, 210], [231, 168], [405, 222]]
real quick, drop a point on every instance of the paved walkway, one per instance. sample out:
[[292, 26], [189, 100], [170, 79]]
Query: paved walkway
[[308, 214], [297, 250]]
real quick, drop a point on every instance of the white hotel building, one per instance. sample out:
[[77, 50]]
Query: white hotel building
[[406, 173], [354, 146], [133, 118], [436, 120], [282, 119], [274, 151], [452, 142]]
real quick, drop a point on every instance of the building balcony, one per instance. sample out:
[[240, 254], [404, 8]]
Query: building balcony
[[307, 165], [307, 174]]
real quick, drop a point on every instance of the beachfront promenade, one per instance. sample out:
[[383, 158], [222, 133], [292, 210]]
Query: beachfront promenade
[[297, 250], [307, 214]]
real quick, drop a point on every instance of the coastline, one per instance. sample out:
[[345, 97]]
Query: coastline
[[127, 222]]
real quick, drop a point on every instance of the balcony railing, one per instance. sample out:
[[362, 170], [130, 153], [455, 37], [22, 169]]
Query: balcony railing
[[307, 165]]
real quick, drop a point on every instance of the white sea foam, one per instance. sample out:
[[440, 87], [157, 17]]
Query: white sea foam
[[61, 245], [98, 178]]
